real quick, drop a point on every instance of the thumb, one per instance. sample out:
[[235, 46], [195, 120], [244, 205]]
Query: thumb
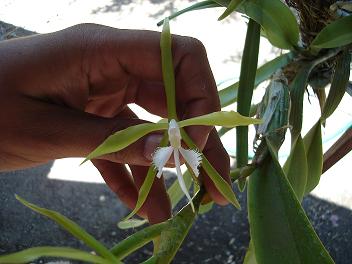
[[41, 131]]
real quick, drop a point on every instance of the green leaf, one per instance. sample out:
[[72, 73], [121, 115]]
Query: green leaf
[[223, 186], [270, 14], [338, 85], [175, 193], [221, 118], [123, 138], [230, 8], [280, 230], [147, 184], [250, 255], [138, 240], [194, 7], [296, 168], [131, 223], [228, 95], [204, 208], [31, 254], [168, 70], [314, 149], [297, 88], [71, 227], [245, 91], [335, 34]]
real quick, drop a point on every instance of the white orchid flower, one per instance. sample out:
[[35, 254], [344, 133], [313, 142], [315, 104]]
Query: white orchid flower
[[162, 155]]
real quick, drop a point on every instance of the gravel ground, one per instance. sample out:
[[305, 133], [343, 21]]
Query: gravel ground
[[220, 236]]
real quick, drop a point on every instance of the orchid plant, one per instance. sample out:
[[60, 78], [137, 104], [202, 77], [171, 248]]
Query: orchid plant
[[279, 228]]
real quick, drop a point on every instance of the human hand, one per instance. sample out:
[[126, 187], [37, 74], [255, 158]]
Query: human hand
[[62, 94]]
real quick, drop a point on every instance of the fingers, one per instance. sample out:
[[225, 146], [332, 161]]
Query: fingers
[[136, 54], [218, 157], [117, 177], [157, 205], [63, 132]]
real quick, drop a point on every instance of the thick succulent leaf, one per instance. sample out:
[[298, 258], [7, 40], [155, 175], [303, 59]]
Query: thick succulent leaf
[[270, 14], [296, 168], [232, 6], [138, 240], [249, 258], [335, 34], [194, 7], [280, 230], [123, 138], [314, 149], [175, 193], [71, 227], [221, 118], [31, 254], [338, 85], [229, 94], [168, 70], [224, 187], [245, 91], [131, 223]]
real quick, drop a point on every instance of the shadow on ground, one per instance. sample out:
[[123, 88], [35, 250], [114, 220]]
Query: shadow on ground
[[162, 7], [220, 236]]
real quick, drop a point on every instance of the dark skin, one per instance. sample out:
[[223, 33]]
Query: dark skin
[[62, 94]]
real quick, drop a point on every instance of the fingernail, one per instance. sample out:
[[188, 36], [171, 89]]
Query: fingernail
[[151, 143]]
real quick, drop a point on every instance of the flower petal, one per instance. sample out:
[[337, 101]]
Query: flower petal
[[180, 177], [160, 157], [193, 159]]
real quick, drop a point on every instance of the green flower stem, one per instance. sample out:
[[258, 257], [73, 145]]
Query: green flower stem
[[243, 172], [138, 240], [168, 70]]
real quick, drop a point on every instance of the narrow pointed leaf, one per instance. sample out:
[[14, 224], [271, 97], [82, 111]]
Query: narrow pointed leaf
[[204, 208], [31, 254], [223, 186], [168, 70], [280, 230], [230, 8], [314, 149], [296, 168], [338, 85], [175, 193], [123, 138], [229, 94], [335, 34], [221, 118], [147, 184], [250, 255], [194, 7], [72, 228], [297, 88], [131, 223], [138, 240], [245, 91]]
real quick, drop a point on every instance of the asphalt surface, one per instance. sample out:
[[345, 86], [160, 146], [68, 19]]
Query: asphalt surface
[[220, 236]]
